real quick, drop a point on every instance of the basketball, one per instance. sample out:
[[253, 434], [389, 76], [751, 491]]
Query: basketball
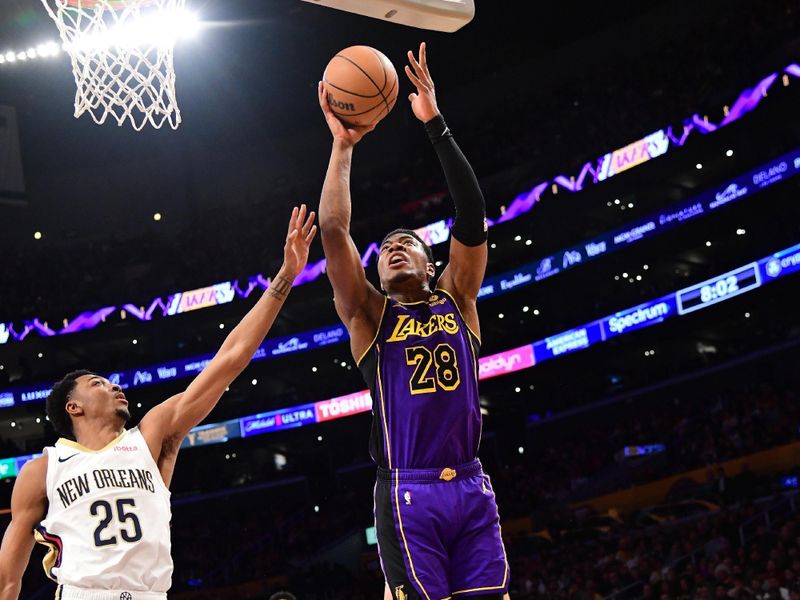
[[360, 85]]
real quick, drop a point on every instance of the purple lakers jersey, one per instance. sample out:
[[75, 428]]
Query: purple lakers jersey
[[422, 372]]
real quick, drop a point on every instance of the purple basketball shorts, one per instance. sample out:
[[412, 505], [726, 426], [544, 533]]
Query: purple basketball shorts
[[439, 533]]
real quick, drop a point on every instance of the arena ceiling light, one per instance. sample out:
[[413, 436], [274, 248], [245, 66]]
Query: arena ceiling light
[[45, 50], [163, 28]]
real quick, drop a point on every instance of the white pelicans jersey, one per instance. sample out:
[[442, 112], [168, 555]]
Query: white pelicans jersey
[[108, 519]]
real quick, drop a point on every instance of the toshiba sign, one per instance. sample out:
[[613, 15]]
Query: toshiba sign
[[343, 406]]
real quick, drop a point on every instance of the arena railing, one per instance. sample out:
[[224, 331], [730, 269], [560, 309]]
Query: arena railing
[[687, 300], [776, 512], [603, 168]]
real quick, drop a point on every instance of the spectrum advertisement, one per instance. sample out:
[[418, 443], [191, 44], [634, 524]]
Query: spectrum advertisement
[[615, 162]]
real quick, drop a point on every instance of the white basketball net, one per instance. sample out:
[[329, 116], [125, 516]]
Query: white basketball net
[[121, 53]]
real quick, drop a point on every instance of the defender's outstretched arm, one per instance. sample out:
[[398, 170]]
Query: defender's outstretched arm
[[168, 423]]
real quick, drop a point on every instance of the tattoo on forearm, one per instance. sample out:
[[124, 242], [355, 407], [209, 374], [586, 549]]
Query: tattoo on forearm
[[279, 288]]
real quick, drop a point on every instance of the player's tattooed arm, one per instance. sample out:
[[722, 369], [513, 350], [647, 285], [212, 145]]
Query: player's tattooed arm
[[177, 415], [279, 287], [28, 507]]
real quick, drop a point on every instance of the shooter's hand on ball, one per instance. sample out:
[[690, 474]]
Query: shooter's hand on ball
[[423, 102], [349, 136], [298, 240]]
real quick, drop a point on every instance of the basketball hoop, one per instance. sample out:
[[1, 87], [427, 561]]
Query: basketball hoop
[[122, 58]]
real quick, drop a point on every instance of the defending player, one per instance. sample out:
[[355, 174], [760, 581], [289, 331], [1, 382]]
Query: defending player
[[436, 517], [99, 499]]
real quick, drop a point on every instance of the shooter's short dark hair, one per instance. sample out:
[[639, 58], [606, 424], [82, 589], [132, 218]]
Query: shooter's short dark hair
[[56, 404]]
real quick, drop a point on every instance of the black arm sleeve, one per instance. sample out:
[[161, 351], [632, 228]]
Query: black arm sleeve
[[469, 226]]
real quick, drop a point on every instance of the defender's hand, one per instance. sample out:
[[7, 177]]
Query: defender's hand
[[423, 102], [350, 136], [298, 240]]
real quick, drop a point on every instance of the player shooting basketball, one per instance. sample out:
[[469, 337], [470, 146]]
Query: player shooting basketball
[[417, 347], [99, 499]]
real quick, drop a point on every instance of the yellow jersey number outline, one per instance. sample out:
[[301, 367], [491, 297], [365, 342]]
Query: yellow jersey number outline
[[443, 357]]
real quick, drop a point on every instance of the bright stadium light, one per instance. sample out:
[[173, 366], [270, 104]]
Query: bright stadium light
[[46, 50], [188, 24], [163, 28]]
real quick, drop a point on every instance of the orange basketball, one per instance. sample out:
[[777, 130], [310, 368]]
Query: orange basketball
[[361, 85]]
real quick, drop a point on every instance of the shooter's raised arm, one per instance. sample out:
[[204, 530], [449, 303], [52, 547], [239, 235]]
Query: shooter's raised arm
[[357, 302], [468, 248]]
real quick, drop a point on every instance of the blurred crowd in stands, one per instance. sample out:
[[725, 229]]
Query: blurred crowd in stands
[[583, 457], [700, 557]]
